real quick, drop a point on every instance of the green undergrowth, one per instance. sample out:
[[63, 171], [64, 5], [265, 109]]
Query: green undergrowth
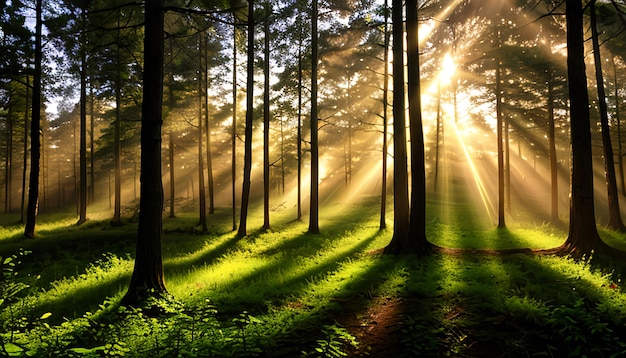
[[287, 293]]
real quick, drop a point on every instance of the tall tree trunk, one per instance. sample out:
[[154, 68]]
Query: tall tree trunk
[[400, 178], [619, 130], [117, 134], [383, 195], [201, 188], [499, 139], [247, 160], [554, 172], [82, 197], [437, 136], [25, 153], [417, 221], [171, 103], [266, 120], [92, 190], [209, 155], [8, 176], [583, 238], [172, 174], [299, 136], [615, 219], [147, 278], [35, 130], [233, 139], [314, 200]]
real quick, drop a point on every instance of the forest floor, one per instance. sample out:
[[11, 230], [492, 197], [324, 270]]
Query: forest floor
[[286, 293]]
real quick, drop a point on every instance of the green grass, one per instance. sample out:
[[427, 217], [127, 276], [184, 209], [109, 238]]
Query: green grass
[[287, 293]]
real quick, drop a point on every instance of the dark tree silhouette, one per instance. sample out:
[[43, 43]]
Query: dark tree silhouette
[[416, 242], [583, 238], [82, 197], [615, 219], [35, 130], [314, 206], [147, 278], [247, 160], [266, 118], [400, 175], [383, 195]]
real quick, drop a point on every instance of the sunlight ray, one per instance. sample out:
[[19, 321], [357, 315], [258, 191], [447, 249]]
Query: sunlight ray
[[484, 196]]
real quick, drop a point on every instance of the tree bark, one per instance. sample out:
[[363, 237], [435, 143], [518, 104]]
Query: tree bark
[[314, 200], [615, 219], [247, 160], [383, 195], [147, 279], [554, 182], [299, 136], [500, 147], [233, 139], [400, 179], [583, 238], [82, 197], [201, 188], [266, 120], [207, 129], [117, 134], [35, 130]]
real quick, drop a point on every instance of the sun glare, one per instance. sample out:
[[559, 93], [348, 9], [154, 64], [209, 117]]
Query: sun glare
[[448, 70]]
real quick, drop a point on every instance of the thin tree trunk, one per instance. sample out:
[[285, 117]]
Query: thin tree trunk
[[171, 103], [314, 200], [209, 154], [266, 121], [247, 160], [82, 200], [92, 193], [615, 219], [499, 139], [299, 136], [35, 139], [25, 162], [383, 195], [400, 179], [233, 143], [8, 177], [117, 142], [201, 188], [554, 182], [620, 157]]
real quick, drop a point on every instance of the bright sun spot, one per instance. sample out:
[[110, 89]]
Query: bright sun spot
[[448, 69]]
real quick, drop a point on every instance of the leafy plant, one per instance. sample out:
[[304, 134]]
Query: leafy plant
[[333, 343]]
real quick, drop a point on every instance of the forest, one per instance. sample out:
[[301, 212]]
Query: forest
[[293, 178]]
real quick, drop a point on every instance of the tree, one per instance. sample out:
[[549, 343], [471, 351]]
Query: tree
[[417, 221], [400, 178], [266, 118], [82, 202], [233, 138], [615, 219], [247, 164], [583, 238], [383, 196], [201, 188], [147, 278], [314, 200], [35, 129]]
